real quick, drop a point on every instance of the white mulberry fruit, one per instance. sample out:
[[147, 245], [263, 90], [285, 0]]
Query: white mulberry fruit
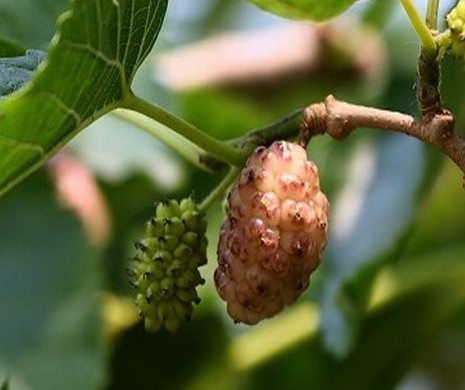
[[165, 273], [274, 234]]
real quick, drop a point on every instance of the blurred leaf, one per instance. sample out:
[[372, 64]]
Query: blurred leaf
[[137, 193], [390, 210], [89, 69], [355, 288], [9, 48], [442, 218], [412, 304], [5, 385], [49, 282], [228, 116], [359, 240], [163, 361], [115, 150], [424, 295], [17, 24], [378, 13], [453, 74], [305, 9], [16, 71]]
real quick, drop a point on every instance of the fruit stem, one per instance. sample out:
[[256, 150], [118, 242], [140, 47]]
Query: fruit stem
[[211, 145], [284, 128], [432, 14], [219, 190], [423, 32], [428, 69]]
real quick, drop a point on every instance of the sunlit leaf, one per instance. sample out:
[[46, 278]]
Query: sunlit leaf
[[305, 9], [89, 69]]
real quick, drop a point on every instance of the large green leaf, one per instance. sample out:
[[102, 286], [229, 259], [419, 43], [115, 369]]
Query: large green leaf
[[305, 9], [90, 66]]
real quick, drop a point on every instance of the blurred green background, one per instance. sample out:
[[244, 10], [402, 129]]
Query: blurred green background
[[386, 310]]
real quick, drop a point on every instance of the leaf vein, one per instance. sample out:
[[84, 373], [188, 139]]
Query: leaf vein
[[23, 145], [65, 107], [95, 52], [100, 24]]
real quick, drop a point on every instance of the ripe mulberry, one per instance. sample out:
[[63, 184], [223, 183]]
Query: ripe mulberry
[[274, 234], [165, 273]]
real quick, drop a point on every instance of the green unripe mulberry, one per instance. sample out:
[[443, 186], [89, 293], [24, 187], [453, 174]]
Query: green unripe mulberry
[[166, 264], [456, 23]]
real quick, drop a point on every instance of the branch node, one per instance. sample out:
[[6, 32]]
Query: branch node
[[441, 125], [313, 122]]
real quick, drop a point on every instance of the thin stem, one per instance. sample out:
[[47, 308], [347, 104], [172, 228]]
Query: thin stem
[[428, 78], [428, 69], [179, 144], [423, 32], [219, 190], [432, 14], [284, 128], [211, 145]]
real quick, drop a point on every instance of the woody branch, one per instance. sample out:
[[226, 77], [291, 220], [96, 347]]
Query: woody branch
[[339, 119]]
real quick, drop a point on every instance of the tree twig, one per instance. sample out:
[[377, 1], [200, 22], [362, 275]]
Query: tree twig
[[428, 77], [339, 119]]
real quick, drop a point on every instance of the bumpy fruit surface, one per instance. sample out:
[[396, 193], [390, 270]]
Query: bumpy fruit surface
[[456, 24], [165, 273], [274, 234]]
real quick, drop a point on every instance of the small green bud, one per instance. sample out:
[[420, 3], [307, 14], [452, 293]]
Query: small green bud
[[167, 210], [456, 23], [187, 295], [190, 238], [168, 242], [183, 310], [175, 226], [152, 324], [165, 272]]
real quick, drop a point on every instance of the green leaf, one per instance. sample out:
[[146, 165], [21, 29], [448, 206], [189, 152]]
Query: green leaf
[[356, 261], [416, 301], [50, 277], [8, 48], [162, 361], [90, 66], [5, 384], [17, 24], [305, 9]]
